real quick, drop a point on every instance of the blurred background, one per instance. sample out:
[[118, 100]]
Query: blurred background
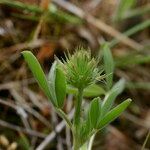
[[53, 27]]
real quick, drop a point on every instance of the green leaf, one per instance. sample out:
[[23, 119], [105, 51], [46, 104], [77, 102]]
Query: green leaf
[[114, 113], [57, 84], [111, 96], [60, 87], [119, 86], [108, 65], [94, 112], [37, 71], [84, 131], [93, 90], [51, 81]]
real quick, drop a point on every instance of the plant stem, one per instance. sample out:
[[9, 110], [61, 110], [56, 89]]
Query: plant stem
[[64, 116], [91, 142], [84, 147], [75, 143], [78, 107], [76, 125]]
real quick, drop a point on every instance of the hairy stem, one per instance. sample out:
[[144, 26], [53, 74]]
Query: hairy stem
[[76, 125], [78, 107]]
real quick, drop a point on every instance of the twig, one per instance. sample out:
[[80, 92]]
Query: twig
[[114, 33], [18, 47], [98, 24], [42, 19], [133, 30], [35, 99], [25, 45], [12, 84], [22, 103], [94, 4], [136, 120], [20, 129], [55, 122], [145, 141], [28, 109], [120, 135], [137, 11], [8, 104], [19, 110], [52, 135]]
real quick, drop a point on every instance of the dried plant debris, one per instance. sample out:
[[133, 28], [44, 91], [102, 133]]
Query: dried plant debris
[[54, 28]]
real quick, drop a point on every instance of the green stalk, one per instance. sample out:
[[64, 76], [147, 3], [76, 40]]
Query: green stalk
[[64, 116], [54, 13], [136, 12], [77, 120], [84, 147], [91, 142], [75, 142], [78, 107], [23, 6], [76, 138]]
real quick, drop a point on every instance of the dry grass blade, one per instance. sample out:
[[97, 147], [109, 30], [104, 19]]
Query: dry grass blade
[[44, 5], [25, 45], [52, 135], [20, 129], [99, 24], [146, 140], [136, 120], [21, 101]]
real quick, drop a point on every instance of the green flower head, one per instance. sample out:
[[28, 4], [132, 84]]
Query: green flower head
[[81, 69]]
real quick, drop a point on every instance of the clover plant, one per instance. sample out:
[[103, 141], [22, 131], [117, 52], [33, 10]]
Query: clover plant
[[78, 75]]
